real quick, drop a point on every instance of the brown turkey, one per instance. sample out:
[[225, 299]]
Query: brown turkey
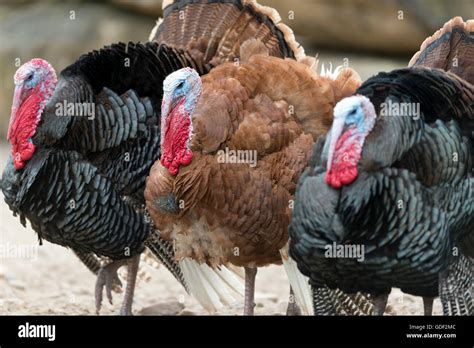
[[234, 143]]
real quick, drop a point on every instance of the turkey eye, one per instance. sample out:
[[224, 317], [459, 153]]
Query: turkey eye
[[180, 85], [29, 78]]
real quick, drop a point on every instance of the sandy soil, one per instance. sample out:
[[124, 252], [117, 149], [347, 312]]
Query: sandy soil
[[50, 280]]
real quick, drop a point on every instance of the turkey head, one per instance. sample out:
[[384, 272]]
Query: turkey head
[[354, 118], [181, 91], [35, 82]]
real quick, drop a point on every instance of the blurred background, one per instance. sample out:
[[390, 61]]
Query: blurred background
[[373, 35], [369, 35]]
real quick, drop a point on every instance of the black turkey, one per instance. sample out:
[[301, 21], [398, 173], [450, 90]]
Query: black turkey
[[70, 169], [388, 200]]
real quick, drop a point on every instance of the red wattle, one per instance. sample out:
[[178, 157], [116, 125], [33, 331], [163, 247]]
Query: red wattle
[[174, 150], [23, 128], [345, 159]]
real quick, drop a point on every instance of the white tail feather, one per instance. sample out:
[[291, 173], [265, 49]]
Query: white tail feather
[[332, 74], [155, 29], [212, 288], [299, 283]]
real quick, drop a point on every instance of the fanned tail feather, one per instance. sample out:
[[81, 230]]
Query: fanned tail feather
[[90, 260], [336, 302], [164, 252], [456, 287], [450, 48], [212, 288], [214, 30], [299, 283]]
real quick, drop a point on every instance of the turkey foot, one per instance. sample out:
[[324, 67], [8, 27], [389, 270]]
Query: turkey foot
[[428, 305], [132, 272], [293, 308], [108, 277], [380, 302], [250, 273]]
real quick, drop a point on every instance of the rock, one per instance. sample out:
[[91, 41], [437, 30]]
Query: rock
[[15, 282], [261, 296], [389, 310], [165, 308], [185, 312]]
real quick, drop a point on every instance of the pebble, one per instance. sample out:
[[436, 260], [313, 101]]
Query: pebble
[[166, 308]]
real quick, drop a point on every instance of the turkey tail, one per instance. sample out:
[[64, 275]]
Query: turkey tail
[[451, 48], [335, 302], [324, 302], [456, 287], [90, 260], [299, 283], [212, 288], [214, 30], [164, 252]]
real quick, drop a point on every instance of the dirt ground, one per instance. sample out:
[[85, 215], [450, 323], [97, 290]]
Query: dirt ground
[[50, 280]]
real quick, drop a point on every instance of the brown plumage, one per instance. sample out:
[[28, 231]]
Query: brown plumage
[[212, 33], [234, 212], [246, 107]]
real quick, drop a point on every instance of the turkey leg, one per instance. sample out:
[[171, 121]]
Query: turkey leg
[[132, 272], [293, 308], [107, 277], [380, 302], [428, 305], [250, 273]]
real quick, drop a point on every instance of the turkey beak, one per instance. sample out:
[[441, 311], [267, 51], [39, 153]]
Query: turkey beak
[[336, 131], [17, 98], [165, 109], [165, 105]]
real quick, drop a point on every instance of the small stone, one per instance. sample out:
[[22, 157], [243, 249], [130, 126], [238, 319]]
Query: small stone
[[166, 308], [389, 310], [17, 284], [266, 297]]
